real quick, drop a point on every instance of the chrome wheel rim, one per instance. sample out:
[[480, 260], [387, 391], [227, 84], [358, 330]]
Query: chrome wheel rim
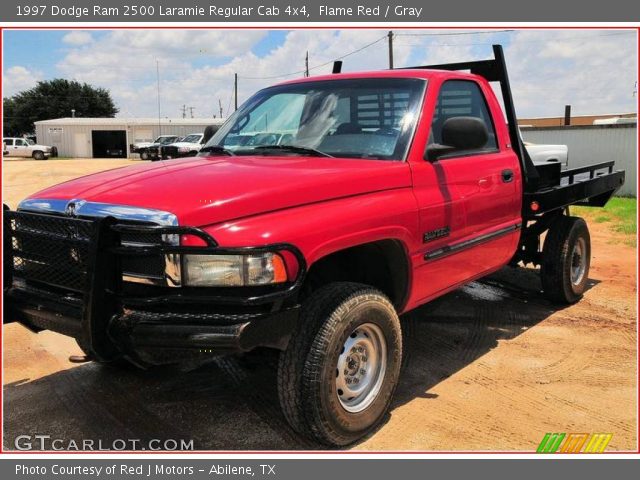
[[578, 261], [361, 367]]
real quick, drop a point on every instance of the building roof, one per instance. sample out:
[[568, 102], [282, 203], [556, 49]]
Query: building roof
[[130, 121], [628, 114], [575, 119]]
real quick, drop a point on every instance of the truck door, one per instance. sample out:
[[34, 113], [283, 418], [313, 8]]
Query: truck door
[[469, 201], [7, 146], [20, 148]]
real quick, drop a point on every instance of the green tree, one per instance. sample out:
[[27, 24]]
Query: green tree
[[54, 99]]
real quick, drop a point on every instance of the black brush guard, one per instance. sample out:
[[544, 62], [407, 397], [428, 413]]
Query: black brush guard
[[65, 274]]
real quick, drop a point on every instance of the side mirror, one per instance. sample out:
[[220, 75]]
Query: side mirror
[[459, 133]]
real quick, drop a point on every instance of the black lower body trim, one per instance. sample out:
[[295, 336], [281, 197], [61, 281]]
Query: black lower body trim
[[458, 247]]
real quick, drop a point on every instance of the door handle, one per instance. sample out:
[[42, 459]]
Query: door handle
[[507, 176]]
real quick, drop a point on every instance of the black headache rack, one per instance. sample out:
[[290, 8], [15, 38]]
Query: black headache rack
[[545, 184], [65, 274]]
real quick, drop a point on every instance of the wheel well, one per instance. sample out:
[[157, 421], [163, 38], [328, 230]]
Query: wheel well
[[383, 265]]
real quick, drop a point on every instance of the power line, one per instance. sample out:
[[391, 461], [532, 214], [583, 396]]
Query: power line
[[226, 112], [318, 66], [451, 33], [516, 42]]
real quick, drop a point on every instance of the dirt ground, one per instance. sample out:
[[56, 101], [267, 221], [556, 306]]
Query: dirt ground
[[492, 366], [24, 177]]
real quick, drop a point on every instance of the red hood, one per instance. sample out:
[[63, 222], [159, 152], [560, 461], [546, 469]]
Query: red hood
[[202, 191]]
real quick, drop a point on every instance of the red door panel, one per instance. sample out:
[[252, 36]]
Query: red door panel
[[471, 200]]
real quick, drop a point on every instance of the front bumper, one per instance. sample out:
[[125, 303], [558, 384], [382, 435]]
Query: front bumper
[[148, 325]]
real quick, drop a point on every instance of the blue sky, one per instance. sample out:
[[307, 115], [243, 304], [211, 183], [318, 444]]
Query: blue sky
[[593, 70]]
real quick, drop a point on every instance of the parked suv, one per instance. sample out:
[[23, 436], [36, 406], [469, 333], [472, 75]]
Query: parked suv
[[25, 147], [371, 194]]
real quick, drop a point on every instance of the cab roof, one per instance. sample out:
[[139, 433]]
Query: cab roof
[[424, 74]]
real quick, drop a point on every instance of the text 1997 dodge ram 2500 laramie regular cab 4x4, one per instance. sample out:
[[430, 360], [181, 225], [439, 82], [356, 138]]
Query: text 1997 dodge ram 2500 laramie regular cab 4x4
[[387, 190]]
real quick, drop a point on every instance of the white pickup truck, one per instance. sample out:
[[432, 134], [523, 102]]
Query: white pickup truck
[[542, 153], [24, 147], [189, 146], [547, 153], [144, 148]]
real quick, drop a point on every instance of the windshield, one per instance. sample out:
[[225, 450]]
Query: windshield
[[165, 140], [192, 138], [354, 118]]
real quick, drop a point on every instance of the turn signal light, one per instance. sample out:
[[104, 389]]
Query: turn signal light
[[279, 269]]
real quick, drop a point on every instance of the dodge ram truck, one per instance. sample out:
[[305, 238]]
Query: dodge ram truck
[[391, 189], [147, 150], [188, 146]]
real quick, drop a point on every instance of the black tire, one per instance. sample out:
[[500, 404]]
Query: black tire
[[38, 155], [307, 370], [566, 246], [144, 155]]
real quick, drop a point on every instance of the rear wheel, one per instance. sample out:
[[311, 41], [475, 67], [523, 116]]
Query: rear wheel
[[566, 258], [337, 377], [144, 155], [38, 155]]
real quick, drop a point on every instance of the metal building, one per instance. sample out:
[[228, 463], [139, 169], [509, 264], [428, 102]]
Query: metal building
[[111, 137]]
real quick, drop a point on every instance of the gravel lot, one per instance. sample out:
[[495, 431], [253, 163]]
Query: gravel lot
[[492, 366]]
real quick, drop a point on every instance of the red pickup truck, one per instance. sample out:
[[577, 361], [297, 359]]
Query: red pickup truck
[[322, 210]]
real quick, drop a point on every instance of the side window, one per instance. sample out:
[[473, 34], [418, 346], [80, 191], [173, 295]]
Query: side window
[[461, 98], [20, 143], [8, 142]]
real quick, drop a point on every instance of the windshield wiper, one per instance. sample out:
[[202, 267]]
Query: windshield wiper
[[294, 149], [216, 149]]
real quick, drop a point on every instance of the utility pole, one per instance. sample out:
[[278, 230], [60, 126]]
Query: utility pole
[[390, 35], [235, 89], [184, 111], [306, 64], [220, 106], [191, 111], [158, 79]]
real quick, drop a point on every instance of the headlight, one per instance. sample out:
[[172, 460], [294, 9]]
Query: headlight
[[233, 270]]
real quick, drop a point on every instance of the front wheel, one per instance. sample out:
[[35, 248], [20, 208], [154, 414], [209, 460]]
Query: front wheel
[[566, 258], [119, 363], [338, 375]]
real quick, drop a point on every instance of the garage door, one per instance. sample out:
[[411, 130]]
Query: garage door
[[109, 143]]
